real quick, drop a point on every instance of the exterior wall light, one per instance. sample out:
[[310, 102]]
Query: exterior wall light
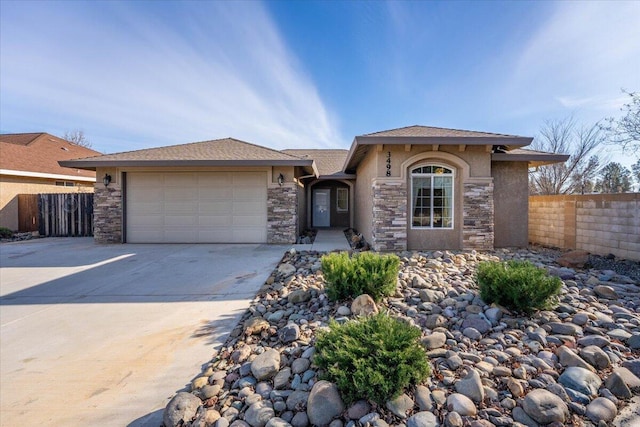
[[106, 180], [280, 180]]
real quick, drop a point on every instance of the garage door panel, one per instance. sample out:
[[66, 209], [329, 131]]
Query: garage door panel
[[207, 207], [181, 195], [215, 179], [188, 207], [213, 208], [212, 193], [215, 221], [220, 234], [141, 194], [181, 179], [248, 221], [145, 208], [249, 179], [245, 235]]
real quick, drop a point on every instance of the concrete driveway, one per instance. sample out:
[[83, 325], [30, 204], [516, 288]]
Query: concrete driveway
[[106, 334]]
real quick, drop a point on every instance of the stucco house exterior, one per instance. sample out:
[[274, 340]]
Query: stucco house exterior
[[412, 188], [29, 165]]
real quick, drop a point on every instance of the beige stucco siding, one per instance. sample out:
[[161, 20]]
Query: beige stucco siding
[[367, 171], [11, 186], [511, 204], [387, 223], [477, 157]]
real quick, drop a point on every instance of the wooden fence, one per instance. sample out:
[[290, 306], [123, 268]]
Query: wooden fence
[[64, 214]]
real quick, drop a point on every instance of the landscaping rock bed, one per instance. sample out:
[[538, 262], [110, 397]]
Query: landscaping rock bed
[[577, 365]]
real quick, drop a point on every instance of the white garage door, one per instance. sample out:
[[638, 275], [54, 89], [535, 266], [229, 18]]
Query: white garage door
[[196, 207]]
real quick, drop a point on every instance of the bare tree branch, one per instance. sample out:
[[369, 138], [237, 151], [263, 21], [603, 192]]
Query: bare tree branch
[[77, 137], [584, 144]]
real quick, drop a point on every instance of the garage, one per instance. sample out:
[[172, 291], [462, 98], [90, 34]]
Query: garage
[[196, 207]]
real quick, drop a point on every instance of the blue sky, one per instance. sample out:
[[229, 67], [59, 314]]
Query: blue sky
[[309, 74]]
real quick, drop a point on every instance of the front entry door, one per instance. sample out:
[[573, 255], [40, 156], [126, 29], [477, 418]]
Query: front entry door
[[321, 211]]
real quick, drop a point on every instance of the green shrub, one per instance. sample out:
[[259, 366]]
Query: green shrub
[[373, 357], [5, 233], [518, 285], [364, 273]]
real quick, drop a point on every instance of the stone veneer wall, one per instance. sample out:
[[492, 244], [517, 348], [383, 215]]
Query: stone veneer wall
[[282, 215], [389, 228], [477, 215], [107, 213], [598, 223]]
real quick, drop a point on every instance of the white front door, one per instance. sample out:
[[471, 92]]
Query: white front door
[[321, 208]]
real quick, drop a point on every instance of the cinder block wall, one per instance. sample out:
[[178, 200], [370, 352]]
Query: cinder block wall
[[597, 223]]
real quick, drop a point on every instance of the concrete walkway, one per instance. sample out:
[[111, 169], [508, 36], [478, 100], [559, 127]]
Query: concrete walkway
[[105, 335], [327, 240]]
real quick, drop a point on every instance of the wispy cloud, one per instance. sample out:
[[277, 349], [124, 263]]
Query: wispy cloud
[[171, 74], [580, 58]]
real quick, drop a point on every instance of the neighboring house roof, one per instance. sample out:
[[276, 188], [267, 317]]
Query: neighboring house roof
[[219, 152], [37, 155], [329, 162], [428, 135], [535, 158]]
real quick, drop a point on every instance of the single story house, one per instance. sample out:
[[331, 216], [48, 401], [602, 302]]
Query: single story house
[[29, 165], [412, 188]]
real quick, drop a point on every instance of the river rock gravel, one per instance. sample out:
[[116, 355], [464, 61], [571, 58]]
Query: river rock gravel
[[575, 365]]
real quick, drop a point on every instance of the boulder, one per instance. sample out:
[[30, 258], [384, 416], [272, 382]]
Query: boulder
[[324, 403], [400, 405], [601, 408], [255, 325], [423, 419], [181, 409], [266, 365], [364, 305], [471, 386], [258, 414], [461, 404], [606, 292], [581, 380], [545, 407], [574, 259]]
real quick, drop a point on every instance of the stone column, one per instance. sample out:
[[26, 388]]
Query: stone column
[[477, 214], [282, 214], [107, 213], [389, 228]]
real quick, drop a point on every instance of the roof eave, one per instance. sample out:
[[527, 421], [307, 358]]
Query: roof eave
[[361, 143], [534, 159], [514, 141], [94, 164]]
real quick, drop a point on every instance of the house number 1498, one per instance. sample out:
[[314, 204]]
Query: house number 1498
[[389, 163]]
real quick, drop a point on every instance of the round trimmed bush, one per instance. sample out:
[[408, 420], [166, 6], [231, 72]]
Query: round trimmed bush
[[374, 357], [517, 285]]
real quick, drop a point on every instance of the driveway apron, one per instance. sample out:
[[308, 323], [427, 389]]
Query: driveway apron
[[106, 334]]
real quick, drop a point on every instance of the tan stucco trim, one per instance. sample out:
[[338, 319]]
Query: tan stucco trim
[[46, 175], [456, 161]]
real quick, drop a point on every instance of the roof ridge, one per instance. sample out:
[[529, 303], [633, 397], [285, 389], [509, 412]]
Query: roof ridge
[[203, 142], [260, 146], [441, 128]]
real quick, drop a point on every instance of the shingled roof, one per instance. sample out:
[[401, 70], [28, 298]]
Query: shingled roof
[[328, 162], [38, 153], [428, 135], [436, 132], [219, 152]]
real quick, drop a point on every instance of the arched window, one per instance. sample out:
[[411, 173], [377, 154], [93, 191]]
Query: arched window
[[432, 196]]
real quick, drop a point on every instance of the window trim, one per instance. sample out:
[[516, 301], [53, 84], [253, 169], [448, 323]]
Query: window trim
[[413, 175], [338, 190]]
